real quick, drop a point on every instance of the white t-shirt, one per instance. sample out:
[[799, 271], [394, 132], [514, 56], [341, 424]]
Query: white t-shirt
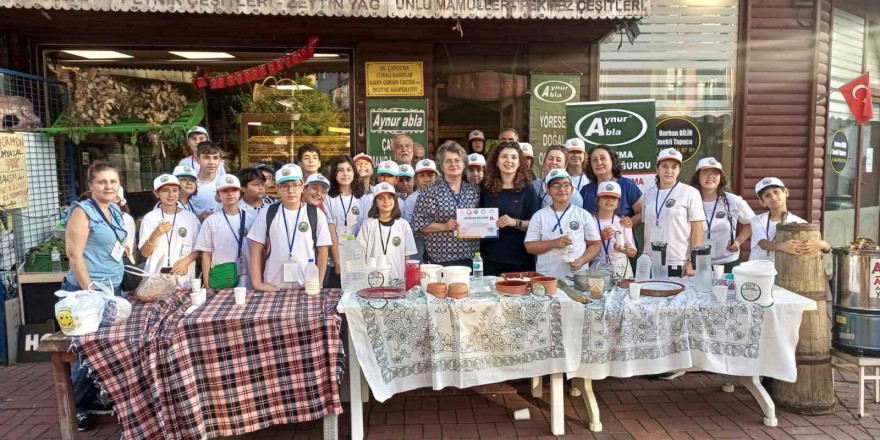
[[204, 199], [183, 236], [194, 164], [297, 230], [253, 212], [762, 230], [726, 216], [397, 240], [679, 206], [221, 239], [367, 203], [627, 237], [130, 228], [579, 181], [575, 221], [345, 212]]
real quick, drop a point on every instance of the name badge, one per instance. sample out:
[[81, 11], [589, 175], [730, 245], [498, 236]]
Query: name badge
[[289, 271], [185, 250], [241, 266], [118, 251]]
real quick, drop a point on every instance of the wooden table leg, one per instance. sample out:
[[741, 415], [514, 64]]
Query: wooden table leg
[[557, 412], [354, 382], [64, 392]]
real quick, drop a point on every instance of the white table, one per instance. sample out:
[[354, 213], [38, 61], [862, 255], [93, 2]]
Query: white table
[[421, 341], [691, 331]]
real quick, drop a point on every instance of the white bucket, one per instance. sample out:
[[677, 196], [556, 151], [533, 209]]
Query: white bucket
[[430, 273], [456, 274], [754, 282]]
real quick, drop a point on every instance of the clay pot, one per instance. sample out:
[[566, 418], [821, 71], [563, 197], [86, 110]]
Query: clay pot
[[548, 284], [458, 290], [437, 289], [512, 287]]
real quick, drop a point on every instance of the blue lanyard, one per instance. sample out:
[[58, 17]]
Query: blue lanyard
[[658, 207], [559, 219], [192, 162], [240, 236], [344, 210], [712, 217], [170, 233], [541, 194], [456, 197], [605, 243], [578, 187], [287, 230]]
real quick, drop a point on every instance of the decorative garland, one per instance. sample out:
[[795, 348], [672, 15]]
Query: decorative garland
[[247, 76]]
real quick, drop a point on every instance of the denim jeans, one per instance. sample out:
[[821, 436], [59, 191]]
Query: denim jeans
[[84, 391]]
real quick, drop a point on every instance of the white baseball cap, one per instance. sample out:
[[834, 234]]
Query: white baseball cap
[[766, 183], [185, 171], [575, 144], [610, 189], [709, 162], [527, 149], [164, 179], [476, 134], [426, 165], [318, 178], [196, 130], [476, 160], [556, 173], [228, 181], [383, 187], [406, 171], [388, 167], [670, 153], [362, 156], [288, 172]]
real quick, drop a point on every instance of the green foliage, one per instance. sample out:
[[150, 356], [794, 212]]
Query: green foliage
[[317, 110]]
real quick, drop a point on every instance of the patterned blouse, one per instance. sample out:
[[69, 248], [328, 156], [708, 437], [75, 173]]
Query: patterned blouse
[[437, 204]]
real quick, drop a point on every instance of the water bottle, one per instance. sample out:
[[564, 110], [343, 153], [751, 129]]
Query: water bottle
[[353, 269], [478, 266], [643, 267], [56, 260], [313, 285]]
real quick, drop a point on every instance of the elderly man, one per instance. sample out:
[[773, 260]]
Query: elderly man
[[402, 149], [418, 152], [508, 135]]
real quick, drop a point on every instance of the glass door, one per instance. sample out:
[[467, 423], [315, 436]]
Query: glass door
[[869, 185]]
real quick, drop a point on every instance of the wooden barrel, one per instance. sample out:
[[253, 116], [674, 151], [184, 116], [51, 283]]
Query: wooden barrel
[[813, 392]]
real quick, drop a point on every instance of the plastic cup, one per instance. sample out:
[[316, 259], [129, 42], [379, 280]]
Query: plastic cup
[[198, 297], [719, 271], [635, 290], [196, 284], [239, 293], [720, 292]]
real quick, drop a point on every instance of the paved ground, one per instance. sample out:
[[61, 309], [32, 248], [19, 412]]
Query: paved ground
[[688, 408]]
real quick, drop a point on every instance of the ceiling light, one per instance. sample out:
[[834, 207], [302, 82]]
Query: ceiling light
[[202, 55], [98, 54], [325, 55], [293, 87]]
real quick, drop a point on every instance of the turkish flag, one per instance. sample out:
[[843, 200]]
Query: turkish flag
[[858, 97]]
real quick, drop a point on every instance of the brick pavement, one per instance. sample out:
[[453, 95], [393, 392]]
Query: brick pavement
[[689, 408]]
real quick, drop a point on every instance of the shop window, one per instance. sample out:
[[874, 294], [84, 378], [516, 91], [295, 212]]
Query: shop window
[[685, 58]]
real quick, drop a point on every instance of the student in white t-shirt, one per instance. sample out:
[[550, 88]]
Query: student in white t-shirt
[[577, 156], [194, 136], [168, 233], [222, 239], [724, 210], [385, 233], [426, 174], [405, 181], [188, 178], [774, 195], [253, 194], [288, 237], [618, 243], [562, 235], [554, 158], [204, 201], [476, 168], [344, 207], [673, 214], [387, 172]]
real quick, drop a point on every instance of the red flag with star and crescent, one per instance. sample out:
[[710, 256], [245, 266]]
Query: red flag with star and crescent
[[858, 97]]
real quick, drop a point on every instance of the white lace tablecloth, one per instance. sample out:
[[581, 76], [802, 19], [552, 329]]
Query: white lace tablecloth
[[623, 338], [422, 341]]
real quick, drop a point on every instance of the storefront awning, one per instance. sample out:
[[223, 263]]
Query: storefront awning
[[454, 9]]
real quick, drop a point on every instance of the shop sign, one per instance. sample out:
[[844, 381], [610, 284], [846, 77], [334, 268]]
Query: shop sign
[[13, 172], [875, 278], [395, 79], [626, 126], [839, 151], [680, 133], [549, 94], [409, 9], [387, 118]]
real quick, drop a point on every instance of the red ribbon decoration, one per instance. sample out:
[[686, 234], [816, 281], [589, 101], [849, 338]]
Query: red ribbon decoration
[[242, 77]]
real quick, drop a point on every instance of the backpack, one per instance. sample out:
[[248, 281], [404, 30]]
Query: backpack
[[311, 212]]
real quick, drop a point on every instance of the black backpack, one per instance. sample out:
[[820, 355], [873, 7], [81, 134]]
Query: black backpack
[[311, 212]]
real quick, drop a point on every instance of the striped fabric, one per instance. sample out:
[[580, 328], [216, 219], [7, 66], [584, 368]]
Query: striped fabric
[[224, 369]]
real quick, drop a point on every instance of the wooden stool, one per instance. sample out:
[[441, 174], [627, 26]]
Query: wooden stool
[[850, 362]]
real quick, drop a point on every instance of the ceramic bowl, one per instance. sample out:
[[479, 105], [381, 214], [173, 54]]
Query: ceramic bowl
[[512, 287], [547, 283], [437, 289], [458, 290]]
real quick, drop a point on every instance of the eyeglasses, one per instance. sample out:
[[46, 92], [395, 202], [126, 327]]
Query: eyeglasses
[[558, 186], [287, 186]]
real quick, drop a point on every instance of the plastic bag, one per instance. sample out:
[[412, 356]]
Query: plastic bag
[[79, 313], [116, 308], [154, 287]]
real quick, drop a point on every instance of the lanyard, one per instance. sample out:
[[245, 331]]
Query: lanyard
[[541, 192], [658, 207], [559, 219], [192, 161], [712, 217], [240, 236], [385, 243], [344, 209], [189, 205], [456, 197], [170, 233], [578, 187], [112, 226], [605, 243], [287, 230]]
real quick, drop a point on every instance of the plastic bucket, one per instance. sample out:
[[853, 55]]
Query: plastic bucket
[[754, 282]]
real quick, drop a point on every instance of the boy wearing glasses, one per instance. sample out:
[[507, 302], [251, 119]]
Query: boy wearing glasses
[[291, 233], [562, 235]]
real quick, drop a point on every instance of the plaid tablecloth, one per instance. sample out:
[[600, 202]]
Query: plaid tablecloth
[[222, 370]]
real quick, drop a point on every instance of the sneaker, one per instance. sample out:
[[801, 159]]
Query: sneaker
[[669, 375], [84, 421]]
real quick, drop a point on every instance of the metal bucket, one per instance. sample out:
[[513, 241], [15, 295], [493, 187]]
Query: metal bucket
[[855, 290]]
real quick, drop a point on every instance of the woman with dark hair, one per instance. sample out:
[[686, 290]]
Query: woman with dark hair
[[603, 165], [723, 211], [345, 210], [506, 186]]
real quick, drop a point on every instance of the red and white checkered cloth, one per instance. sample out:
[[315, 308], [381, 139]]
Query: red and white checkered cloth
[[224, 369]]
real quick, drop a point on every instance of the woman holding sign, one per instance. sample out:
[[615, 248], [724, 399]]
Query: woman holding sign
[[435, 217], [506, 187]]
